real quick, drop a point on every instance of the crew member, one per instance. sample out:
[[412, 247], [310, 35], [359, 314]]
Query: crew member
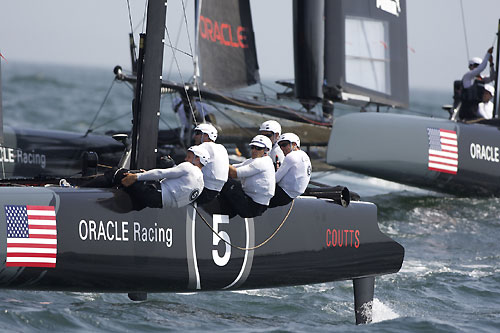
[[250, 196], [473, 87], [294, 174], [215, 173], [201, 112], [272, 129], [174, 187], [485, 108]]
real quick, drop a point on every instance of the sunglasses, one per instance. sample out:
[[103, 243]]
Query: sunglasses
[[283, 143], [257, 148], [268, 135], [197, 132]]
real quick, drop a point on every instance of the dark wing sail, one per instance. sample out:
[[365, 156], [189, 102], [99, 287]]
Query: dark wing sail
[[366, 51], [226, 44]]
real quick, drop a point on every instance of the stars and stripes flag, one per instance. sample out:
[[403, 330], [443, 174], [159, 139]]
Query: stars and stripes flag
[[31, 236], [443, 150]]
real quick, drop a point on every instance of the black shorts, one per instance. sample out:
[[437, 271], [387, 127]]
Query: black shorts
[[280, 198], [233, 200]]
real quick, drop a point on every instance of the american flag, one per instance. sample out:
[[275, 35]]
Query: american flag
[[443, 150], [31, 236]]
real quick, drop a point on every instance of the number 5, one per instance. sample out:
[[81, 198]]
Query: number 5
[[218, 260]]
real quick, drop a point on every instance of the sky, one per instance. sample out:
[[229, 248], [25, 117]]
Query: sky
[[94, 33]]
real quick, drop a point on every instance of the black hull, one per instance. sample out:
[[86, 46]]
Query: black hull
[[397, 148], [28, 153], [117, 258]]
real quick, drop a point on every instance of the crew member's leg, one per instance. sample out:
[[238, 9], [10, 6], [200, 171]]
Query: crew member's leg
[[206, 196], [280, 198]]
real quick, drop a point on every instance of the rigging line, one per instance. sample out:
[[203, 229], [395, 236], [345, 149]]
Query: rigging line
[[192, 57], [465, 30], [176, 44], [130, 17], [100, 108], [247, 248], [253, 107], [144, 15], [232, 120], [112, 120], [182, 79]]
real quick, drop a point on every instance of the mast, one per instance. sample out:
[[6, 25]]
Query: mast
[[147, 117], [495, 98], [308, 47]]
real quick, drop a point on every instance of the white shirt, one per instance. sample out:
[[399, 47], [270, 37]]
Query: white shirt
[[277, 153], [257, 178], [294, 174], [180, 185], [215, 173], [469, 77], [485, 110]]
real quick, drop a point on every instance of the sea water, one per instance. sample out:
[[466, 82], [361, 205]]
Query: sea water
[[450, 279]]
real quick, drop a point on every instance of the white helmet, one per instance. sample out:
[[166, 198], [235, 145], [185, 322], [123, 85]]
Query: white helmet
[[202, 153], [475, 61], [490, 89], [289, 137], [261, 141], [208, 129], [271, 126]]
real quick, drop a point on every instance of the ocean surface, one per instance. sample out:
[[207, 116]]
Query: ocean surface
[[449, 282]]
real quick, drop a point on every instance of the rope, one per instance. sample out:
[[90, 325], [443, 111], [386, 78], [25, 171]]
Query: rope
[[180, 74], [465, 31], [176, 44], [100, 108], [130, 17], [256, 107], [194, 65], [248, 248]]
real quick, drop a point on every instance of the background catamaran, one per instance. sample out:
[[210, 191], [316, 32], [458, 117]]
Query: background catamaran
[[87, 239], [444, 155]]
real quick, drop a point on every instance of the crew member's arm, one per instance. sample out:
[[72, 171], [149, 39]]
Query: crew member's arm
[[468, 78], [287, 164]]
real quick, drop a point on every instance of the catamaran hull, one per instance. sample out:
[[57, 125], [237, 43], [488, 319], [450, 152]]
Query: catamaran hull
[[30, 153], [419, 151], [105, 246]]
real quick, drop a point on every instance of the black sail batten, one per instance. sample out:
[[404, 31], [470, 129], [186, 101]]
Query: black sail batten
[[308, 46], [226, 45], [366, 51]]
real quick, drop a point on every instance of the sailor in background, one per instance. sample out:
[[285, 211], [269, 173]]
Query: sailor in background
[[250, 196], [201, 112], [473, 86], [485, 108], [272, 129], [173, 187], [215, 173], [294, 174]]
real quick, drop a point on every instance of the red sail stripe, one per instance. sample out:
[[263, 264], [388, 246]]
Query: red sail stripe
[[40, 208], [41, 217], [31, 255], [45, 246], [30, 264]]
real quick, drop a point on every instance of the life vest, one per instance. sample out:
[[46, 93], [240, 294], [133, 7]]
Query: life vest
[[470, 98]]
